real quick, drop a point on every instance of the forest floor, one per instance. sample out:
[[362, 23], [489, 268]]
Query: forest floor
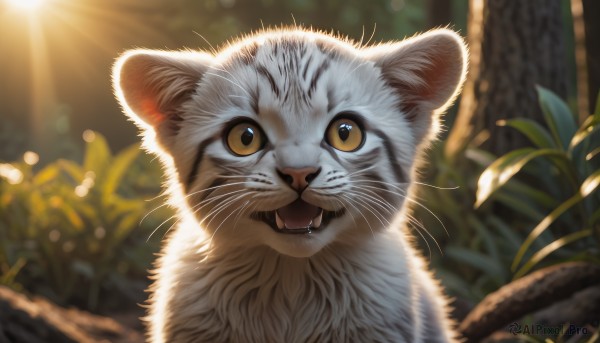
[[35, 320]]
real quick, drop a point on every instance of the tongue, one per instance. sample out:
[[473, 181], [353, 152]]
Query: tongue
[[298, 215]]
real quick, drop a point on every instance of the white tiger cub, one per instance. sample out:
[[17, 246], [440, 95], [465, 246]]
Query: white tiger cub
[[290, 155]]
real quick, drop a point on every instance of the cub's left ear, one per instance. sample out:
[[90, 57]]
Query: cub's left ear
[[152, 85], [426, 71]]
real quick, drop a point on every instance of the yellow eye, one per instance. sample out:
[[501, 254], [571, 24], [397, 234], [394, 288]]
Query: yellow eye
[[245, 139], [345, 135]]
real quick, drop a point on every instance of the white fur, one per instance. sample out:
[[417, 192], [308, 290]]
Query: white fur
[[225, 277]]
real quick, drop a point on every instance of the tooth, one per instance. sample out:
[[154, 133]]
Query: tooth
[[279, 221], [317, 221]]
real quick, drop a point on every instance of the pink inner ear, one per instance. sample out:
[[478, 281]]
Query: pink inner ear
[[440, 79], [424, 71], [151, 112]]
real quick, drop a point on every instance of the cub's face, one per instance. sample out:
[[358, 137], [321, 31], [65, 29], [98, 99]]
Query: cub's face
[[291, 139]]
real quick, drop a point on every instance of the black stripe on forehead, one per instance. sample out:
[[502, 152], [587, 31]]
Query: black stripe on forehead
[[391, 154], [262, 70], [315, 79], [196, 165], [306, 65]]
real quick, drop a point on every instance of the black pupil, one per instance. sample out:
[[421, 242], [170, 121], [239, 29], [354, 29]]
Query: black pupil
[[344, 131], [247, 136]]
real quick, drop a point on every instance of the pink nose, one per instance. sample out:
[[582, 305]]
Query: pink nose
[[298, 178]]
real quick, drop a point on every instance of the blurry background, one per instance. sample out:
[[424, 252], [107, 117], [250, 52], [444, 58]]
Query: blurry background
[[56, 59], [513, 179]]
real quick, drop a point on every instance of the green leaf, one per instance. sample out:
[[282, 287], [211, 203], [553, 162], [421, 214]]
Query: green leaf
[[590, 184], [536, 133], [127, 224], [454, 283], [589, 126], [592, 154], [479, 156], [505, 230], [73, 217], [558, 117], [97, 155], [519, 205], [49, 173], [483, 232], [594, 217], [536, 195], [476, 260], [73, 169], [505, 167], [587, 187], [550, 248], [489, 181], [119, 166]]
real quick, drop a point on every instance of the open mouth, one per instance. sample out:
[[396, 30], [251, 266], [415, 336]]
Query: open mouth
[[299, 217]]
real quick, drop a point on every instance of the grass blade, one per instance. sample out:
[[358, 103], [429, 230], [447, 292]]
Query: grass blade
[[504, 168], [536, 133], [558, 117], [550, 248], [588, 186]]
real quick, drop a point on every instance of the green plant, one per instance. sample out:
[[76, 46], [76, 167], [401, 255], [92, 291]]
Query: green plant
[[482, 241], [475, 245], [564, 176], [72, 230], [489, 204]]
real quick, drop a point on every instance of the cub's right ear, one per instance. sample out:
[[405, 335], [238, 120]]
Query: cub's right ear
[[152, 85]]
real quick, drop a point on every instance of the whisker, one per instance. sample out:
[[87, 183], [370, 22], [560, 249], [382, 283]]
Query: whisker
[[372, 200], [212, 48], [358, 172], [430, 212], [366, 205], [214, 187], [152, 211], [425, 240], [436, 187], [162, 194], [230, 81], [419, 225], [349, 202], [197, 207], [219, 208], [158, 227], [378, 198], [405, 196], [395, 185], [349, 212], [227, 217], [240, 213]]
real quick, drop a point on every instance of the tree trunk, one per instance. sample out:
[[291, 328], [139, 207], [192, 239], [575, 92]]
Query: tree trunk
[[439, 13], [591, 13], [583, 106], [517, 45], [530, 293]]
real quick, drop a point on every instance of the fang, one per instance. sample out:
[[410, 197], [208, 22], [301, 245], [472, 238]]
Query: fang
[[279, 221], [316, 223]]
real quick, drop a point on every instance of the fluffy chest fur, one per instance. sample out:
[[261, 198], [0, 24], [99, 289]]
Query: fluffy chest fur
[[345, 294], [290, 157]]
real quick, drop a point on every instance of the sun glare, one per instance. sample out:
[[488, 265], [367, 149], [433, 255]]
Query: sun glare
[[27, 5]]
